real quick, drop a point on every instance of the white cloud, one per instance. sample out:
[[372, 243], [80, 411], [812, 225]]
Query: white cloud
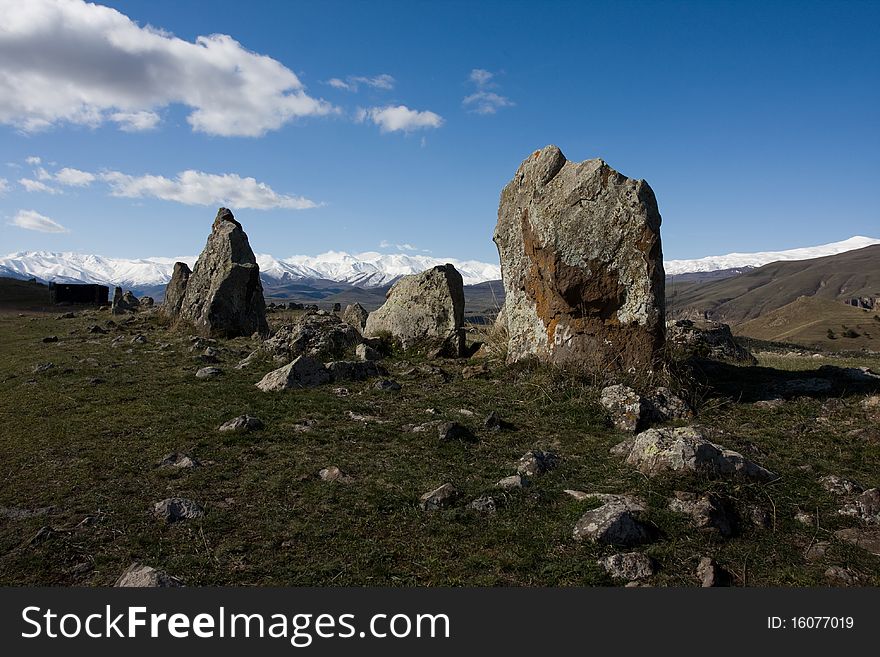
[[37, 186], [4, 186], [33, 220], [33, 160], [74, 177], [385, 244], [199, 188], [353, 82], [73, 62], [135, 121], [483, 100], [399, 118]]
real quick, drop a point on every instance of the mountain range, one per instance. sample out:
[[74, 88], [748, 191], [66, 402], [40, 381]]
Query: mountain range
[[336, 271]]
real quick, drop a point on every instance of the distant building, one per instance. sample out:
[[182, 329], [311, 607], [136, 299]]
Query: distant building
[[79, 293], [866, 303]]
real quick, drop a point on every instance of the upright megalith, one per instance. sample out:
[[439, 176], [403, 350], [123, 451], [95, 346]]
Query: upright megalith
[[423, 311], [176, 289], [582, 265], [224, 296]]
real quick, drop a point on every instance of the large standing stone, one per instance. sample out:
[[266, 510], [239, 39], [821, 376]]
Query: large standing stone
[[423, 311], [355, 315], [175, 291], [224, 295], [124, 303], [582, 264]]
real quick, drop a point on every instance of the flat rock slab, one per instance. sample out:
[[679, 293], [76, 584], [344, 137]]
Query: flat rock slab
[[616, 522], [440, 498], [208, 373], [867, 538], [242, 423], [628, 565], [140, 576], [685, 449], [302, 372]]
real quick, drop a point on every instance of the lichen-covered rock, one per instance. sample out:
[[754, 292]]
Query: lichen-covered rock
[[536, 462], [424, 311], [302, 372], [710, 573], [138, 575], [628, 565], [685, 449], [616, 522], [629, 410], [175, 291], [314, 335], [686, 338], [708, 511], [224, 295], [839, 485], [865, 507], [355, 315], [512, 482], [582, 265]]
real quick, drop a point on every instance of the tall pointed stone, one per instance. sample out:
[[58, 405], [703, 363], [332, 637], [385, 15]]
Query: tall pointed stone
[[224, 296], [175, 291], [582, 265]]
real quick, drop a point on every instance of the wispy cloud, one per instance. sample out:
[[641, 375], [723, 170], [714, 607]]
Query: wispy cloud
[[31, 185], [33, 220], [199, 188], [82, 63], [74, 177], [33, 160], [484, 100], [354, 82], [4, 186], [385, 244], [399, 119]]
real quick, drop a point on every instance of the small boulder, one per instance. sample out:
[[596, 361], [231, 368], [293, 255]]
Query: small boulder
[[536, 462], [628, 565], [138, 575], [512, 482], [366, 352], [449, 431], [839, 485], [387, 385], [867, 538], [711, 574], [439, 498], [332, 474], [484, 504], [708, 511], [178, 461], [175, 509], [865, 507], [348, 370], [629, 411], [303, 372], [355, 315], [687, 339], [242, 423], [208, 373], [616, 522]]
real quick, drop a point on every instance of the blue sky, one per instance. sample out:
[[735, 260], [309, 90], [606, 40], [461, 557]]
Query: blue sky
[[756, 124]]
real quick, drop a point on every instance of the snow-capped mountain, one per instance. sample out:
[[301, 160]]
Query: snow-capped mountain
[[363, 270], [367, 270], [748, 260]]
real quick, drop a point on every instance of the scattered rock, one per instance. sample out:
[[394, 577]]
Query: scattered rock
[[174, 509], [629, 411], [355, 315], [628, 565], [439, 498], [147, 302], [535, 462], [139, 339], [684, 449], [493, 422], [839, 576], [208, 373], [333, 473], [774, 403], [124, 303], [839, 485], [484, 504], [138, 575], [42, 367], [513, 481], [865, 507], [366, 352], [95, 329], [581, 262], [449, 431], [303, 372], [242, 423], [341, 392], [708, 511], [687, 339], [867, 538], [224, 295], [179, 461], [711, 574], [616, 522], [423, 311], [387, 385], [669, 406]]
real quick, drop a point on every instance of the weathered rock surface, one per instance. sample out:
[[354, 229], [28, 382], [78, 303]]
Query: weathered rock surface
[[628, 565], [177, 460], [208, 373], [512, 482], [708, 511], [355, 315], [867, 538], [439, 498], [616, 522], [629, 410], [124, 303], [349, 370], [224, 295], [174, 509], [333, 474], [302, 372], [316, 335], [484, 504], [138, 575], [366, 352], [685, 449], [686, 338], [242, 423], [424, 311], [536, 462], [865, 507], [175, 291], [711, 574], [582, 265], [839, 485]]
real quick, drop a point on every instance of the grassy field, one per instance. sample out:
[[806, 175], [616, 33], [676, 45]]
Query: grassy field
[[80, 445]]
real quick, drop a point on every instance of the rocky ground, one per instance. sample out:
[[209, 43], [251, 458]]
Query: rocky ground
[[443, 472]]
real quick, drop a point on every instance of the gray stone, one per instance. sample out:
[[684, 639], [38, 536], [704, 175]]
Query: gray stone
[[685, 449], [686, 338], [147, 302], [387, 385], [138, 575], [865, 507], [439, 498], [139, 339], [839, 485], [242, 423], [484, 504], [42, 367], [512, 482], [178, 461], [346, 370], [867, 538], [315, 335], [710, 573], [449, 431], [805, 518], [816, 552], [366, 352], [628, 565], [303, 372], [708, 511], [355, 315], [333, 474], [175, 509], [224, 295], [175, 291], [616, 522], [423, 311], [208, 373], [123, 303], [629, 411], [582, 265], [536, 462]]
